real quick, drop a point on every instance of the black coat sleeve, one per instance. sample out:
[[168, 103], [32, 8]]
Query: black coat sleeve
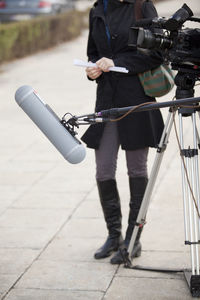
[[137, 61], [92, 52]]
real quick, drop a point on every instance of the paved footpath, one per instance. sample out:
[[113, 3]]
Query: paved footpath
[[50, 218]]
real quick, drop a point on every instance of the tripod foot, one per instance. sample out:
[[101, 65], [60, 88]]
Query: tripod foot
[[193, 283], [125, 256]]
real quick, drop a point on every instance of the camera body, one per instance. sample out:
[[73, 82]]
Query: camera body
[[179, 46]]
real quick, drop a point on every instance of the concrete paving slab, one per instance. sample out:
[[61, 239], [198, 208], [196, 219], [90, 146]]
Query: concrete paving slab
[[157, 235], [89, 209], [93, 195], [79, 228], [40, 149], [35, 198], [27, 166], [10, 193], [68, 276], [34, 218], [7, 281], [138, 288], [25, 238], [34, 294], [9, 265], [64, 184], [3, 208], [19, 178], [72, 249]]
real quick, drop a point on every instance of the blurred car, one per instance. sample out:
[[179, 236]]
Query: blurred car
[[22, 9]]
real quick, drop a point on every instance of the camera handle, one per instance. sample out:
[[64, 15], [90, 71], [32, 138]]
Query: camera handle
[[190, 187]]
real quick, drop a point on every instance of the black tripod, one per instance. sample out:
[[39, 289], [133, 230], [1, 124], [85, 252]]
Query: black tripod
[[190, 182]]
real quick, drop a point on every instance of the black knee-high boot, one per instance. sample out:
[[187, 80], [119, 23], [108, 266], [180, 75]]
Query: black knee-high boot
[[110, 203], [137, 189]]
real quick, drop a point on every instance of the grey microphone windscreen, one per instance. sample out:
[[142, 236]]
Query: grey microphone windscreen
[[49, 123]]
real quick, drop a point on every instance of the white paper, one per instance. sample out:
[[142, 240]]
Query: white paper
[[81, 63]]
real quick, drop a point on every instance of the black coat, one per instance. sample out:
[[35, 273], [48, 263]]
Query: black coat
[[138, 130]]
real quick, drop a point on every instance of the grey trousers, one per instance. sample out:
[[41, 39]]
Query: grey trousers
[[106, 156]]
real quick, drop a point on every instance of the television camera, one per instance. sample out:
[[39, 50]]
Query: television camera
[[179, 46]]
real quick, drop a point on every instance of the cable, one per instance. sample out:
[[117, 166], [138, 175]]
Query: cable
[[130, 111]]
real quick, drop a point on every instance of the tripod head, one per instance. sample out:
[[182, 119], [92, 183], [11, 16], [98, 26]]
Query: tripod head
[[185, 79]]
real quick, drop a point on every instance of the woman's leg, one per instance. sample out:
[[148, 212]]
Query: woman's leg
[[106, 155], [106, 164], [137, 171], [136, 161]]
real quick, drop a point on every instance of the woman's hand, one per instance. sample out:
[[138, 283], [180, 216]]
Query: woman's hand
[[105, 63], [93, 72]]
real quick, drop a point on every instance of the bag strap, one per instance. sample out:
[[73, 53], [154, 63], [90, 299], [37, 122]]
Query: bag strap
[[138, 9]]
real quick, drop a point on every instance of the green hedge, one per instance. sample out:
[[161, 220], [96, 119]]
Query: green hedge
[[20, 39], [23, 38]]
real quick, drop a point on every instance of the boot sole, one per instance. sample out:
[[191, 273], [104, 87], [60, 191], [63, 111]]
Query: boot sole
[[106, 254]]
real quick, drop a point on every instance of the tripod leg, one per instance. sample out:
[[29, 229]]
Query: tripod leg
[[196, 189], [152, 179], [190, 173], [184, 181], [190, 187], [197, 171]]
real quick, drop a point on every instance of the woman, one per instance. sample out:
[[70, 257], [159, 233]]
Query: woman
[[110, 21]]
